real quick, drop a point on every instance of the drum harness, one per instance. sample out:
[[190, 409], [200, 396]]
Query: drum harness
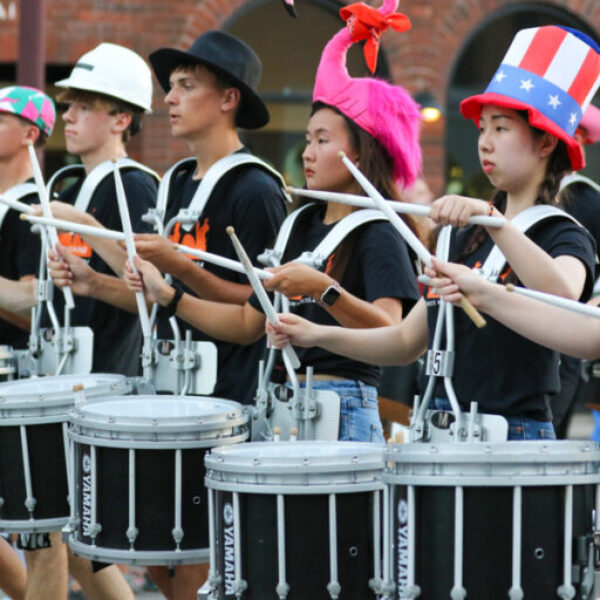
[[305, 404], [186, 357], [50, 349], [427, 425]]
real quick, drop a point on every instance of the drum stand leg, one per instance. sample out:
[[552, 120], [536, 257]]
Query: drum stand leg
[[333, 587], [567, 591], [458, 591], [30, 501], [239, 585], [283, 588], [132, 530], [516, 591]]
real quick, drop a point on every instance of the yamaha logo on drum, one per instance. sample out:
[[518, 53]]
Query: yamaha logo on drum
[[402, 544], [86, 494], [228, 545]]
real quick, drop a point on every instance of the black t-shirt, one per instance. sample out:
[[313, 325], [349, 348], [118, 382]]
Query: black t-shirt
[[250, 199], [117, 333], [583, 202], [19, 256], [495, 366], [379, 267]]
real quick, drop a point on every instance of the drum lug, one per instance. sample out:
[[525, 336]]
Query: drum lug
[[177, 534], [516, 593], [239, 586], [30, 504], [132, 533], [334, 589], [411, 592], [282, 590], [566, 592], [458, 593]]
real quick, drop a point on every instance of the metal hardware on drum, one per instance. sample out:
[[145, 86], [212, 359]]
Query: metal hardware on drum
[[35, 475], [511, 519], [280, 511], [138, 465], [438, 426]]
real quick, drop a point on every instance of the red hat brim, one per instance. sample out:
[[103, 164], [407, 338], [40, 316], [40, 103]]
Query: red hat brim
[[470, 108]]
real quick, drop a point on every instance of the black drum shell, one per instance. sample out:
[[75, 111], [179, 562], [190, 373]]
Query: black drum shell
[[307, 545], [48, 473], [154, 494]]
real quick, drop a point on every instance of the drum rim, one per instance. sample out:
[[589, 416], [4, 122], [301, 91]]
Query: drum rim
[[61, 397], [85, 420]]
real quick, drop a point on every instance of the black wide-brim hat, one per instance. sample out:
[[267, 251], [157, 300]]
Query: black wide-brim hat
[[228, 56]]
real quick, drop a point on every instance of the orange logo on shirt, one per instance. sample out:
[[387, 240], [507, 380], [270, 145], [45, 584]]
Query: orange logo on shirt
[[75, 244], [195, 239]]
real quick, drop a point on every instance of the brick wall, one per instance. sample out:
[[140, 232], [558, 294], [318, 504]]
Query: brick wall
[[419, 59]]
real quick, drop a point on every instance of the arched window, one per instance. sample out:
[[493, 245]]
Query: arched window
[[480, 57]]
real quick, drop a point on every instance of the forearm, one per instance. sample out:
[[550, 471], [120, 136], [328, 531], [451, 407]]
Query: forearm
[[110, 252], [567, 332], [227, 322], [350, 311], [210, 287], [18, 296], [113, 290], [532, 265]]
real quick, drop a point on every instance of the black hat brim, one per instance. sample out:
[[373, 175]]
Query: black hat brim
[[252, 112]]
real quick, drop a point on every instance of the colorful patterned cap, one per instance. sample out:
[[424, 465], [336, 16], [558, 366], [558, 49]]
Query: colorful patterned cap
[[30, 104]]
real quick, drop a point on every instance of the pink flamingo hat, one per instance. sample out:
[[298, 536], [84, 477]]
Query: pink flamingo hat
[[385, 111], [591, 123]]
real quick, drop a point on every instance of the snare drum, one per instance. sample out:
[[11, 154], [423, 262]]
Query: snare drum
[[139, 476], [8, 363], [295, 520], [33, 447], [495, 521]]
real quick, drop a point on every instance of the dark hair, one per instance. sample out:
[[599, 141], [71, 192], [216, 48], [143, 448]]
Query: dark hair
[[114, 106], [557, 167], [377, 165]]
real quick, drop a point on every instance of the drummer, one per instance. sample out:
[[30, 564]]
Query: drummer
[[377, 125], [525, 149], [26, 115], [210, 92]]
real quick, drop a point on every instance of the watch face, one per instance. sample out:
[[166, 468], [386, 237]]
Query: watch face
[[330, 295]]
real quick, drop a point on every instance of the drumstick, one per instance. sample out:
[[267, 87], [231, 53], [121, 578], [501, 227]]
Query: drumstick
[[16, 205], [130, 244], [411, 239], [560, 302], [110, 234], [43, 195], [260, 292], [398, 207]]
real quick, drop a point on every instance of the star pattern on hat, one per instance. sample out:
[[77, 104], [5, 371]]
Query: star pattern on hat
[[573, 118], [500, 76], [554, 101], [526, 85]]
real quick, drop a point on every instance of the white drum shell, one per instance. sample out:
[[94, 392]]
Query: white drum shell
[[301, 467], [528, 463], [48, 399], [153, 422]]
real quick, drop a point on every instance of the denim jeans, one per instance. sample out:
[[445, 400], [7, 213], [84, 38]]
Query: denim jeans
[[519, 428], [359, 415]]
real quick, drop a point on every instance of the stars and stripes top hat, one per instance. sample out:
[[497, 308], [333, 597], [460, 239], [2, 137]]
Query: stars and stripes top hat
[[552, 72]]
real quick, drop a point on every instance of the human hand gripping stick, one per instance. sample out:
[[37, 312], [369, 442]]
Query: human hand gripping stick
[[288, 352]]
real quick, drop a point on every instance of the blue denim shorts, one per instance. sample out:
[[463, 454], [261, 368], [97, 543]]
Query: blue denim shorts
[[519, 428], [359, 414]]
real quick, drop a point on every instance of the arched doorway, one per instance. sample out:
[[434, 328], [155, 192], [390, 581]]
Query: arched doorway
[[290, 50], [477, 62]]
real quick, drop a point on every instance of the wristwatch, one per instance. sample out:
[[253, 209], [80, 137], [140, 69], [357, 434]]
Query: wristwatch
[[331, 294]]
